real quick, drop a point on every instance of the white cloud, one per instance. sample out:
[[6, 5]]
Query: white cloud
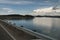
[[6, 11], [44, 11], [15, 2]]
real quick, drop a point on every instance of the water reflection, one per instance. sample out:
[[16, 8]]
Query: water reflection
[[55, 30], [44, 23]]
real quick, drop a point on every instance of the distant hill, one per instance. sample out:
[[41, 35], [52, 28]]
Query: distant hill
[[16, 16]]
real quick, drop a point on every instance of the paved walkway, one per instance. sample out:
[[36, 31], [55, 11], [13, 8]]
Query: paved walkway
[[16, 34]]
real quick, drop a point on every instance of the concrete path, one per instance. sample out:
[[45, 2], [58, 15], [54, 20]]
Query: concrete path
[[14, 33]]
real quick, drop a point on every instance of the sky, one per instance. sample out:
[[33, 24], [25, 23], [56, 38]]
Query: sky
[[27, 7]]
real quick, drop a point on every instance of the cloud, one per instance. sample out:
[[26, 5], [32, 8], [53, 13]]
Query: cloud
[[42, 11], [23, 1], [15, 2], [45, 11], [6, 11]]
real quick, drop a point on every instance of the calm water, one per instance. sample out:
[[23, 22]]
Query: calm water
[[47, 26]]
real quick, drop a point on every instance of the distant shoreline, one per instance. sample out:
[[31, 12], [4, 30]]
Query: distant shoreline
[[17, 17]]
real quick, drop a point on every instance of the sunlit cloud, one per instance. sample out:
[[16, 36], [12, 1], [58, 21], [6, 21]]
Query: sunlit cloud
[[45, 11], [42, 11]]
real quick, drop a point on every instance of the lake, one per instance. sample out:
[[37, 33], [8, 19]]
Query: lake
[[44, 25]]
